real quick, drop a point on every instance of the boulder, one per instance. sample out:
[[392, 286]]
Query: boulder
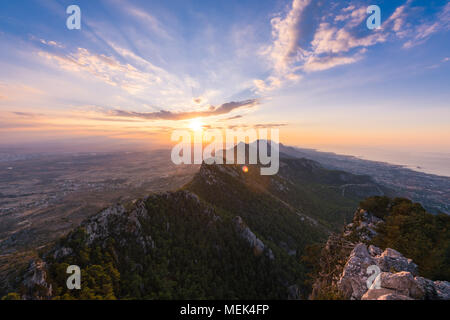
[[393, 261], [374, 251], [353, 281], [374, 294], [428, 287], [401, 282], [442, 289]]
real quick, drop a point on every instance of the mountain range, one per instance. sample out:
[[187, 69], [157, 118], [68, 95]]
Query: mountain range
[[227, 234]]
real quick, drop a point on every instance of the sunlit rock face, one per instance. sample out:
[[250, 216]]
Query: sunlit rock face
[[398, 279], [257, 245], [366, 272]]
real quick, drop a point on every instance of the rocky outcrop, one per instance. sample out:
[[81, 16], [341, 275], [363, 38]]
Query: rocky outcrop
[[257, 245], [353, 282], [442, 289], [363, 226], [392, 260], [369, 275], [35, 281], [394, 296]]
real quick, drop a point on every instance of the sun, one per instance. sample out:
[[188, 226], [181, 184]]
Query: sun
[[196, 125]]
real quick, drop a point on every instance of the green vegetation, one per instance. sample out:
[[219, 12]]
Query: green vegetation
[[378, 206], [12, 296], [187, 248], [407, 228], [185, 244], [197, 254], [418, 235]]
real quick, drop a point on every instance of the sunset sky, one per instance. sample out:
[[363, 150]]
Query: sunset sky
[[138, 69]]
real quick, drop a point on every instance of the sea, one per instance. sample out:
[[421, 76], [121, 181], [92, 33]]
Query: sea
[[437, 163]]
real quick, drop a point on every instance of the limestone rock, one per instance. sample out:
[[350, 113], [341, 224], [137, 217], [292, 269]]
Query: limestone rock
[[374, 294], [36, 277], [374, 251], [394, 296], [397, 277], [428, 287], [257, 245], [393, 261], [396, 281], [353, 282], [442, 289], [401, 282]]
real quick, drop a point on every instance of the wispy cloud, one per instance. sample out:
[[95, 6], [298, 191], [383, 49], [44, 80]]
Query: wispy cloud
[[418, 34], [51, 43], [105, 68], [314, 63], [168, 115], [27, 114], [148, 21], [233, 118], [128, 73]]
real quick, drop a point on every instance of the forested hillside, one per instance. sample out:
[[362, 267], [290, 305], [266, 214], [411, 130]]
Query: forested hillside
[[226, 235]]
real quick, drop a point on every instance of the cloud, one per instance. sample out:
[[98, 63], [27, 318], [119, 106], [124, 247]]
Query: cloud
[[27, 114], [304, 41], [168, 115], [408, 23], [317, 36], [420, 33], [105, 68], [332, 40], [51, 43], [133, 75], [255, 126], [234, 117], [285, 49], [397, 21], [315, 63], [269, 125], [147, 20]]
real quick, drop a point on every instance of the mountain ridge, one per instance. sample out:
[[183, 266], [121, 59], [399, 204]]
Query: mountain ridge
[[227, 234]]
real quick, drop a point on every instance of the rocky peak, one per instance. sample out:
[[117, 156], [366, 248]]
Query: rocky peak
[[370, 273]]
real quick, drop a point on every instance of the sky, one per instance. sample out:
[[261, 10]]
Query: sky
[[137, 70]]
